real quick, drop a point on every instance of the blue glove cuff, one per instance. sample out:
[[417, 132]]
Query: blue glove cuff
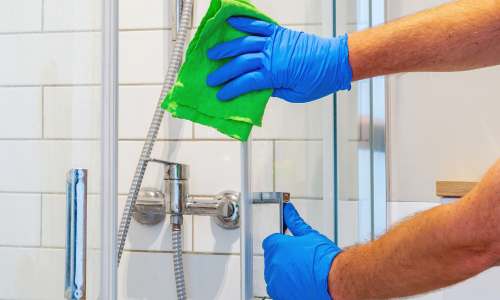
[[344, 71]]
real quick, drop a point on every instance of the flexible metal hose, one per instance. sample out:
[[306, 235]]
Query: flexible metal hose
[[178, 265], [173, 68]]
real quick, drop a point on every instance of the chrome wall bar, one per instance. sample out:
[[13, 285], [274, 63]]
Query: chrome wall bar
[[76, 234], [109, 150]]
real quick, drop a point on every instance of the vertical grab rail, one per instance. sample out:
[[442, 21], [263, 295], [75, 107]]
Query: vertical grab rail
[[76, 234]]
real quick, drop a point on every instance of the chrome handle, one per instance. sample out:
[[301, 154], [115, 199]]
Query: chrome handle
[[209, 208], [76, 234]]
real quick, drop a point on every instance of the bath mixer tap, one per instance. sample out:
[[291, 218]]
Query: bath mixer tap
[[152, 205]]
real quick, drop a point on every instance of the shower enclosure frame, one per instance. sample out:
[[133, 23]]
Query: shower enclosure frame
[[334, 20]]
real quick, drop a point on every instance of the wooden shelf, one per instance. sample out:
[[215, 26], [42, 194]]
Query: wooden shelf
[[454, 189]]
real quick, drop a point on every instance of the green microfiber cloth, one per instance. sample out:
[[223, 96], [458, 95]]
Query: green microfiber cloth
[[192, 99]]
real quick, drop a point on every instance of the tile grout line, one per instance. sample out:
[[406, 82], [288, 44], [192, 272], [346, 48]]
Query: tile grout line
[[41, 216], [43, 123]]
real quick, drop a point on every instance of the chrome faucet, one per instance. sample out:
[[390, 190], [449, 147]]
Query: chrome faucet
[[152, 205]]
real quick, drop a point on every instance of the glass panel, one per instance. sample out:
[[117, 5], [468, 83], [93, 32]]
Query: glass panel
[[287, 151], [50, 73], [361, 143]]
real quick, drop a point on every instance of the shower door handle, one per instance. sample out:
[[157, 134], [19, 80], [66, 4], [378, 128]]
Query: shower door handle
[[76, 234]]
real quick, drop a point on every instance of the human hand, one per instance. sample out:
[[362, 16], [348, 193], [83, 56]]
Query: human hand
[[297, 267], [300, 67]]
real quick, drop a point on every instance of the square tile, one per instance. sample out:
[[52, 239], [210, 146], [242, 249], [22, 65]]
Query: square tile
[[299, 168], [72, 112], [21, 114], [20, 219], [137, 105], [262, 166], [21, 16], [296, 12]]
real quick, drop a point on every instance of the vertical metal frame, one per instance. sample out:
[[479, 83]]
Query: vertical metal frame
[[246, 255], [109, 149]]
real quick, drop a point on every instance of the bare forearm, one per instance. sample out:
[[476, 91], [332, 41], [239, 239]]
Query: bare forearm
[[435, 249], [460, 36]]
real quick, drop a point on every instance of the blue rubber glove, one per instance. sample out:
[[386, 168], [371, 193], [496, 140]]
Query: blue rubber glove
[[300, 67], [297, 266]]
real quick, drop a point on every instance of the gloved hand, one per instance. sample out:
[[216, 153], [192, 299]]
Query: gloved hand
[[300, 67], [297, 267]]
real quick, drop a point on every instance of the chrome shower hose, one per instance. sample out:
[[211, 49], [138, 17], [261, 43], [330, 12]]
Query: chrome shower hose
[[178, 265], [173, 69]]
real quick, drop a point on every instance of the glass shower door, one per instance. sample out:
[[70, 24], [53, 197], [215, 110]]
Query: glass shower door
[[50, 122]]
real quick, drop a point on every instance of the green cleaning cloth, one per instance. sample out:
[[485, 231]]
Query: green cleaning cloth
[[192, 99]]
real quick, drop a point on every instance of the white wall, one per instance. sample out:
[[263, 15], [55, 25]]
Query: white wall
[[50, 122], [444, 126]]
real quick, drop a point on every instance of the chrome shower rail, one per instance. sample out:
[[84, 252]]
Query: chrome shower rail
[[155, 125]]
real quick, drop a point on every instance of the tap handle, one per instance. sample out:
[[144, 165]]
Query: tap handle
[[172, 170]]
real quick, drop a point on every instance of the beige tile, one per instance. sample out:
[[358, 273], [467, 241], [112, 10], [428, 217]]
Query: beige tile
[[156, 237], [299, 168], [151, 276], [20, 220], [56, 58], [215, 166], [41, 166], [61, 15], [20, 16], [21, 114], [136, 110], [72, 112]]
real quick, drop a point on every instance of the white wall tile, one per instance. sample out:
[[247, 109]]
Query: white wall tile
[[200, 8], [72, 112], [60, 15], [484, 286], [311, 211], [284, 120], [157, 237], [208, 133], [299, 168], [41, 166], [20, 219], [443, 127], [146, 14], [29, 273], [56, 58], [145, 55], [293, 12], [348, 223], [210, 237], [151, 276], [136, 110], [431, 296], [54, 221], [398, 9], [20, 16], [397, 211], [215, 166], [262, 166], [21, 113]]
